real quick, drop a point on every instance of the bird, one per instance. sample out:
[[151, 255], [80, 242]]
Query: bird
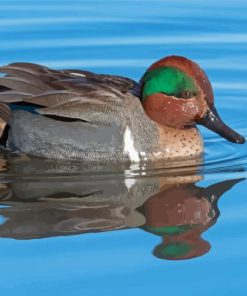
[[78, 114]]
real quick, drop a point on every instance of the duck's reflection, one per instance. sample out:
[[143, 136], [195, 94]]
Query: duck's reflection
[[175, 208], [180, 215]]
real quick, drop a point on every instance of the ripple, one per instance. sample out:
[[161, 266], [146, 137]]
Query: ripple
[[7, 23], [144, 62], [219, 154], [126, 41]]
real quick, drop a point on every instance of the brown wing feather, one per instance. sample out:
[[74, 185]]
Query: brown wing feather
[[26, 75], [87, 85], [121, 83], [52, 98], [5, 112], [19, 84], [30, 66], [11, 96], [92, 111], [69, 93]]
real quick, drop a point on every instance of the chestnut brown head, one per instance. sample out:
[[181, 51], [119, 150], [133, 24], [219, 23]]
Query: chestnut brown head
[[177, 93]]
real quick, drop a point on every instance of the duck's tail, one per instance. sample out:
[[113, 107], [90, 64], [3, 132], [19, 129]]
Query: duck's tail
[[21, 82], [5, 114]]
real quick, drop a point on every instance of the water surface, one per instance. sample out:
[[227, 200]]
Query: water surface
[[71, 228]]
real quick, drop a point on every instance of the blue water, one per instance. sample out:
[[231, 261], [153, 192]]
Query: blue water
[[38, 253]]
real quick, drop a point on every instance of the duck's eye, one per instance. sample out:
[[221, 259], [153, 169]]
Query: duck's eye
[[187, 94]]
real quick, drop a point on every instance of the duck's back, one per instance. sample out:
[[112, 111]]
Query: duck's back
[[74, 114]]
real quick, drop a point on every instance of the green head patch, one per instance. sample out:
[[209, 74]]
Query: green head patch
[[170, 81], [170, 230], [175, 250]]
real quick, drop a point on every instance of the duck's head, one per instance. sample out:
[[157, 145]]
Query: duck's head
[[177, 93]]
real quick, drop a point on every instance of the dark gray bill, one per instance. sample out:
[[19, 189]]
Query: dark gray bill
[[212, 121]]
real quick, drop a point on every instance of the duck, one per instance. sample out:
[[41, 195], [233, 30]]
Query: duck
[[77, 114]]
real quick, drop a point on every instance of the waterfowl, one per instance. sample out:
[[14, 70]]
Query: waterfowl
[[77, 114]]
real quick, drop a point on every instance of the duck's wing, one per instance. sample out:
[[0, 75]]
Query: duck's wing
[[72, 94]]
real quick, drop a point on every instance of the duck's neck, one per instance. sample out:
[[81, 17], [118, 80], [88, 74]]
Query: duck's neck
[[174, 142]]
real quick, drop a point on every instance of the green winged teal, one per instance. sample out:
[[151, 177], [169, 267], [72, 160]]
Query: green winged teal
[[82, 115]]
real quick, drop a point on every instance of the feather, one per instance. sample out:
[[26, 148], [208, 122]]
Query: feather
[[5, 112], [19, 85], [80, 72], [76, 84], [30, 66], [75, 94], [25, 75], [51, 98], [122, 83], [12, 96], [92, 111], [87, 85]]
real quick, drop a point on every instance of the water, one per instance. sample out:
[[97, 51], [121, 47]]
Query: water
[[70, 228]]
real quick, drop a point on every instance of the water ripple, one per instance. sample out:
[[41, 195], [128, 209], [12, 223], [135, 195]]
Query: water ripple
[[125, 41]]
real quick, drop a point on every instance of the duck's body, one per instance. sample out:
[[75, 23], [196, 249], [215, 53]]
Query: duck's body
[[82, 115], [51, 138]]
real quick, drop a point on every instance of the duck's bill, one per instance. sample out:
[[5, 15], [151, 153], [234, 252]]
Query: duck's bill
[[212, 121]]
